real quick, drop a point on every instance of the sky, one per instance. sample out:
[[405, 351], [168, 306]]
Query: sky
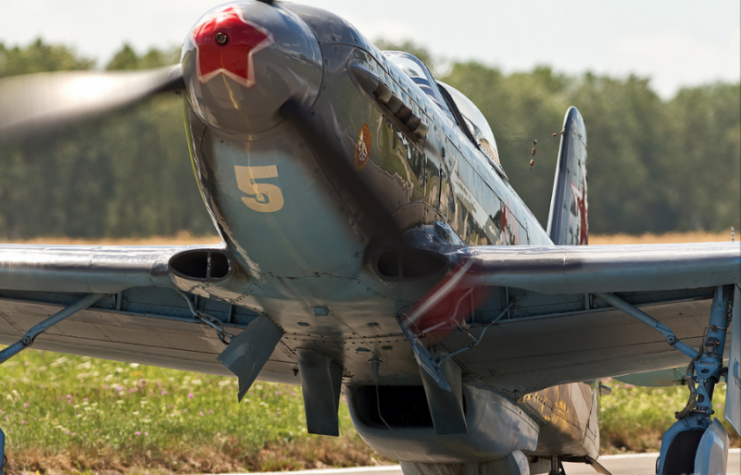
[[676, 43]]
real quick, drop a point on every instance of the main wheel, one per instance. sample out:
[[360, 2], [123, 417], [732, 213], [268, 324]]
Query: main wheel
[[680, 458]]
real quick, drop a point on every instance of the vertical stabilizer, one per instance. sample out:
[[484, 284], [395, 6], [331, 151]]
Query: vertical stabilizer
[[567, 219]]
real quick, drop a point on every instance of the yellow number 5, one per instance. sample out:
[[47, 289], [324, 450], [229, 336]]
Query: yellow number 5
[[261, 197]]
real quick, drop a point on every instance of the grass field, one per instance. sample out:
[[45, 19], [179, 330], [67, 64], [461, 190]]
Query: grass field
[[66, 413], [78, 413], [633, 419], [72, 413]]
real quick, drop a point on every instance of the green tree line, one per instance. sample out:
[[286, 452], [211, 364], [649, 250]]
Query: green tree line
[[127, 175], [654, 165]]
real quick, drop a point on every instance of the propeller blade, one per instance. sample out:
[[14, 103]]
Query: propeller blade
[[36, 103]]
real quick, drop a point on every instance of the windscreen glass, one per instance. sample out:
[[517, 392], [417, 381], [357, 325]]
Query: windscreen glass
[[418, 73], [475, 121]]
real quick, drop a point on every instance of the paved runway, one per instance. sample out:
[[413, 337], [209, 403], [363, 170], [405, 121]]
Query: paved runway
[[642, 464], [629, 464]]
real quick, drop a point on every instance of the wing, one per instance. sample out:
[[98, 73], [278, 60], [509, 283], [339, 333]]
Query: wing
[[593, 269], [549, 324], [144, 316]]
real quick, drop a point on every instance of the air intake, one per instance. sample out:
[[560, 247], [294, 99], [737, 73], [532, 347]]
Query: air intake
[[201, 264], [400, 406], [409, 264]]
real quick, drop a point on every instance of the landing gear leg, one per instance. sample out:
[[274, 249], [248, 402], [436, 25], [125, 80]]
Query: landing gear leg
[[696, 443], [556, 467]]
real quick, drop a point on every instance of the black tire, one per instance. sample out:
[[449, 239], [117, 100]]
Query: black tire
[[680, 458]]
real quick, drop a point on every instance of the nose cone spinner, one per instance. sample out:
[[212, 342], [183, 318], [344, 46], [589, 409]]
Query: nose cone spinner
[[243, 61]]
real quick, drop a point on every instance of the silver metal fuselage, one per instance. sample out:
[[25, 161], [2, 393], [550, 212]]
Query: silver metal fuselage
[[306, 251], [302, 254]]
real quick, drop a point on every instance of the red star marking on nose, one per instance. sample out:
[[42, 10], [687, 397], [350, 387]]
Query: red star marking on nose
[[234, 58]]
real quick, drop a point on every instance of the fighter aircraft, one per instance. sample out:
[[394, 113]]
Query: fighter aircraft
[[372, 244]]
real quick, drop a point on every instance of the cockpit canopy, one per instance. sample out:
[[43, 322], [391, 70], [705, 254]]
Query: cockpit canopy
[[419, 74], [472, 116], [475, 121]]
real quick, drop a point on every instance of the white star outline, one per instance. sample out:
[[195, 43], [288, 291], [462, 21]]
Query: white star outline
[[249, 83], [578, 195]]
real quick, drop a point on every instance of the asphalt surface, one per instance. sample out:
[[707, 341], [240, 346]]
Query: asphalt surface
[[641, 464], [628, 464]]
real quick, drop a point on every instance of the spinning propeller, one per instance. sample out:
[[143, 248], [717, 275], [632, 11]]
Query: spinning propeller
[[34, 104], [37, 103]]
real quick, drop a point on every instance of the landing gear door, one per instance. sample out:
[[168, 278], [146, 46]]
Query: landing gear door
[[733, 394]]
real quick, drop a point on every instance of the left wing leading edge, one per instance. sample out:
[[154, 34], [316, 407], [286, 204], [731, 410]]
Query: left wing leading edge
[[144, 317], [83, 269]]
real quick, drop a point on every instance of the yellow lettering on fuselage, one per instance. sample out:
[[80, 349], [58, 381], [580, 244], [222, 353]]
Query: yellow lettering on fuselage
[[261, 197]]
